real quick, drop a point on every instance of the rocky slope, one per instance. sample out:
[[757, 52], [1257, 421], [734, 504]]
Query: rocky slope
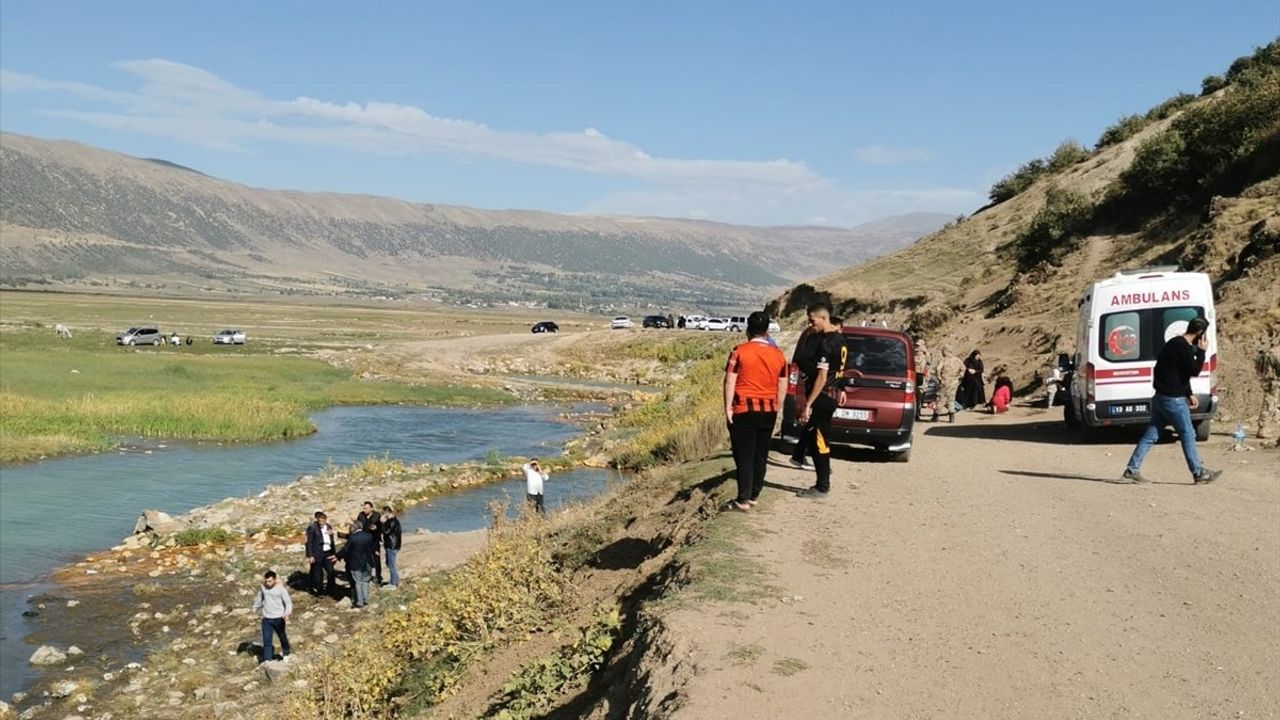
[[69, 212]]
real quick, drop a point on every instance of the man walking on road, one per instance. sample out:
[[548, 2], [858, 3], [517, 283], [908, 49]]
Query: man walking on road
[[755, 383], [1179, 360], [950, 370], [822, 363]]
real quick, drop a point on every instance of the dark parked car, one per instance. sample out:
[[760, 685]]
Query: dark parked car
[[140, 336], [656, 321], [546, 326], [875, 396]]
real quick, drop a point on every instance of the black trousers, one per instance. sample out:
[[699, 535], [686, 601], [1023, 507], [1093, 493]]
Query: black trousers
[[816, 439], [749, 434], [537, 502], [377, 565], [321, 570]]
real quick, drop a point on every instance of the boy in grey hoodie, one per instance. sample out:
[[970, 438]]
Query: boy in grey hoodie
[[273, 600]]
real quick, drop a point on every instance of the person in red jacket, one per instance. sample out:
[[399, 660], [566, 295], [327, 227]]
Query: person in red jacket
[[1002, 396], [755, 382]]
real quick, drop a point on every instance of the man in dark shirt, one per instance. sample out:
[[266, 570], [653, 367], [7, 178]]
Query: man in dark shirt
[[808, 346], [368, 516], [1179, 360], [359, 554], [391, 537], [321, 549], [822, 364]]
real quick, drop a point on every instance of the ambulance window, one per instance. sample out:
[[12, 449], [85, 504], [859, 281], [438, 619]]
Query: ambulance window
[[1121, 337], [1173, 321]]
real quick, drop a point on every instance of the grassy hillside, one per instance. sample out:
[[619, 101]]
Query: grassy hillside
[[1192, 183]]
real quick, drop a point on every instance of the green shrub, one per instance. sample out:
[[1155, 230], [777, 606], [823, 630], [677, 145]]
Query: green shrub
[[1054, 230], [1212, 84], [1170, 106], [533, 689], [1067, 154], [1123, 129], [1017, 181], [203, 536]]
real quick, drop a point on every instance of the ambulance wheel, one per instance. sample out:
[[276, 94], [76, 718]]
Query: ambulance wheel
[[1202, 430], [1069, 416]]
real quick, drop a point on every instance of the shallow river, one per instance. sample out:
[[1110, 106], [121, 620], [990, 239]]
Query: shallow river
[[58, 510]]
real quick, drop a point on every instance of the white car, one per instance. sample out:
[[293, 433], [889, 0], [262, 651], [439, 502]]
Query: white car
[[230, 337], [717, 324], [622, 322], [695, 322], [774, 327], [737, 323]]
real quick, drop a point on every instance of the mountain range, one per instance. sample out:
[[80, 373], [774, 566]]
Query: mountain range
[[75, 215]]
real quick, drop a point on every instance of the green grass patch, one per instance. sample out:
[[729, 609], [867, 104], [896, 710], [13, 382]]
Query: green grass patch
[[786, 667], [83, 394], [204, 536], [745, 654]]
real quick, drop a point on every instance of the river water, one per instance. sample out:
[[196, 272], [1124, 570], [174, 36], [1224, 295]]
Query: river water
[[58, 510]]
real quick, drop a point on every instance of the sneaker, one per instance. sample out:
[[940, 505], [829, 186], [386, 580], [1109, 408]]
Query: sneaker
[[812, 492], [799, 462], [1135, 476], [1206, 476]]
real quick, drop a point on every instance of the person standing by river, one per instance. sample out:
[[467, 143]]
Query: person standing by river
[[391, 537], [369, 516], [359, 556], [321, 549], [755, 384], [276, 607], [535, 484]]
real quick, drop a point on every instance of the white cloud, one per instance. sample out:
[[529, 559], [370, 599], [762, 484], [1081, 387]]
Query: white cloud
[[197, 107], [889, 155]]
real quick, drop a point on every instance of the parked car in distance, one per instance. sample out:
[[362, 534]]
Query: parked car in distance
[[140, 336], [737, 323], [716, 324], [622, 322], [695, 322], [774, 327], [546, 326], [230, 337], [656, 321], [875, 395]]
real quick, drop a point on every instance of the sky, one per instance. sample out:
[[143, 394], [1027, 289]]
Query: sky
[[830, 113]]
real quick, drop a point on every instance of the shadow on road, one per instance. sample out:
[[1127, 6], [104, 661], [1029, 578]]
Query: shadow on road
[[1067, 476], [788, 488], [1045, 431]]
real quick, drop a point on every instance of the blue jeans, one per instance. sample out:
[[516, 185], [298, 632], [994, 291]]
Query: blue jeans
[[272, 626], [391, 564], [360, 587], [1168, 410]]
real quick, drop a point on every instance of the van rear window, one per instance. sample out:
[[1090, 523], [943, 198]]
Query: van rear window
[[1138, 335], [876, 355]]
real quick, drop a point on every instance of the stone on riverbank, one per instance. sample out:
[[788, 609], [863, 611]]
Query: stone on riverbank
[[158, 522], [47, 655]]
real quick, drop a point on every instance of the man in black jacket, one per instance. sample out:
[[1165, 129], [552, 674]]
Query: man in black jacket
[[369, 516], [1179, 360], [822, 366], [321, 547], [359, 556], [391, 542]]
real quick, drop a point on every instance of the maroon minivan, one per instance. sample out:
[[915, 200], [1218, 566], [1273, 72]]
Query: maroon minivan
[[875, 396]]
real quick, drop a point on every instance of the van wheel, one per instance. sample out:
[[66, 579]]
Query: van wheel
[[1069, 416], [1202, 430]]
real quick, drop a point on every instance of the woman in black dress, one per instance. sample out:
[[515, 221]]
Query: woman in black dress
[[972, 393]]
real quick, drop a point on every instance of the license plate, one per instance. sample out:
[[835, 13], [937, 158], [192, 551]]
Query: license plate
[[1129, 409], [852, 414]]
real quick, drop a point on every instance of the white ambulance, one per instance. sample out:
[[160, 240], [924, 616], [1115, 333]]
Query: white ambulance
[[1124, 321]]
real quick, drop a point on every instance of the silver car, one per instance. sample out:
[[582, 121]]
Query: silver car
[[140, 336], [230, 337]]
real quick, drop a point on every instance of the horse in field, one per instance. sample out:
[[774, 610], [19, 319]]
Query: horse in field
[[63, 331]]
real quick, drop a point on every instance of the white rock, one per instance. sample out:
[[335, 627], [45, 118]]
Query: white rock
[[48, 655], [62, 689], [73, 650], [72, 603]]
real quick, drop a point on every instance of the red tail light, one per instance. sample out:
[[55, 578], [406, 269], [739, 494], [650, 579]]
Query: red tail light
[[909, 390], [1090, 386]]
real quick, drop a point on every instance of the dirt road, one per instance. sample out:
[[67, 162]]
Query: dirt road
[[1002, 574]]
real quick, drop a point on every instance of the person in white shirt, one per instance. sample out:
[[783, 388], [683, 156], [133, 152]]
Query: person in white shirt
[[534, 477]]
